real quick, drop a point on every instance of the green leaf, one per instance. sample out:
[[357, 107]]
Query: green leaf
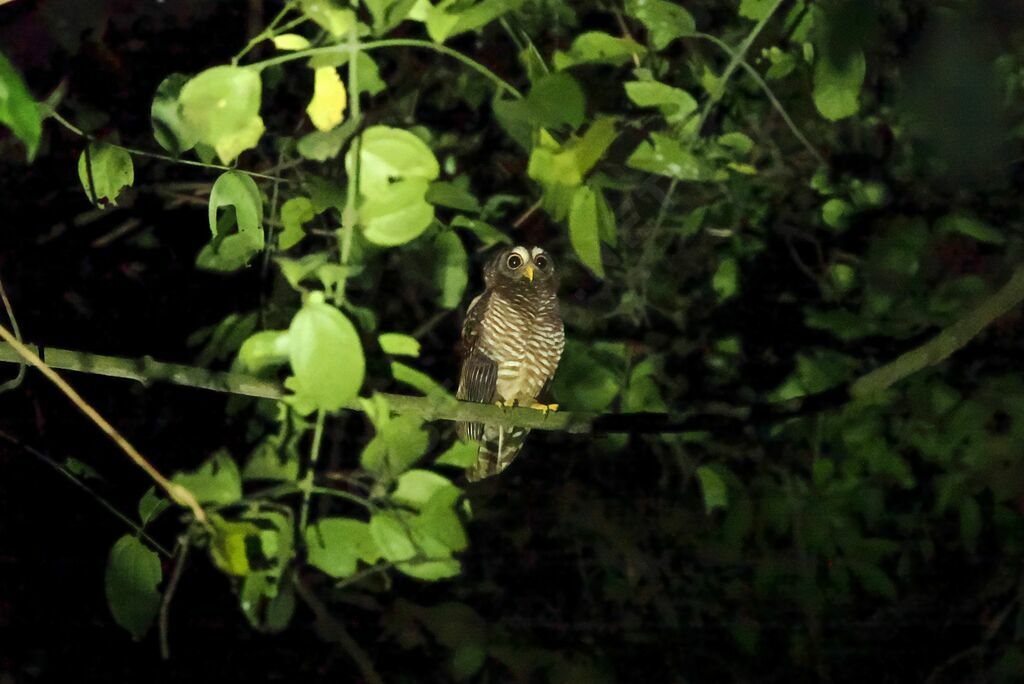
[[725, 282], [151, 505], [320, 146], [399, 443], [398, 344], [451, 269], [417, 487], [590, 376], [335, 545], [169, 129], [326, 355], [675, 104], [556, 100], [597, 47], [388, 13], [554, 164], [389, 530], [873, 579], [331, 15], [290, 42], [294, 213], [18, 111], [221, 105], [485, 232], [453, 195], [265, 349], [970, 226], [584, 231], [664, 21], [398, 215], [327, 107], [297, 271], [836, 213], [389, 154], [216, 481], [104, 172], [756, 9], [460, 454], [837, 86], [420, 381], [713, 488], [666, 156], [272, 460], [227, 250], [133, 574]]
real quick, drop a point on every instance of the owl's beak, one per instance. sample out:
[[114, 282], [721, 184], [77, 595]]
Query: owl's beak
[[529, 272]]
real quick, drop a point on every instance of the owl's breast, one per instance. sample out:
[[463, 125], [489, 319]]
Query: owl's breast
[[526, 342]]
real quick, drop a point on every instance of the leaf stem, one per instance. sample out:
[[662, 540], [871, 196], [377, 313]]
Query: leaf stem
[[162, 157], [307, 481], [394, 42], [735, 61]]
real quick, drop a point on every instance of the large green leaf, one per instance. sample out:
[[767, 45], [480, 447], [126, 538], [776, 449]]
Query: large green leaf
[[451, 269], [332, 15], [231, 249], [18, 111], [133, 574], [222, 105], [675, 104], [398, 214], [326, 355], [837, 85], [169, 129], [217, 481], [390, 154], [665, 21], [399, 443], [335, 545], [597, 47], [104, 171], [584, 230]]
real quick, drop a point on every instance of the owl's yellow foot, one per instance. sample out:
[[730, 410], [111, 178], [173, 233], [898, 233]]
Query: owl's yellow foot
[[507, 403], [546, 408]]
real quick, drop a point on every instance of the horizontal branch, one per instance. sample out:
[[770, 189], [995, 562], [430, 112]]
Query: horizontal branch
[[146, 370]]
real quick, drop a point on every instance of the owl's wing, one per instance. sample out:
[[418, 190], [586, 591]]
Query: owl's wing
[[479, 376]]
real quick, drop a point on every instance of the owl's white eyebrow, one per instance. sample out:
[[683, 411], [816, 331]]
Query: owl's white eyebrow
[[536, 251]]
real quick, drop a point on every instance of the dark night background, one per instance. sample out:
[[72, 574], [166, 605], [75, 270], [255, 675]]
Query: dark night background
[[591, 559]]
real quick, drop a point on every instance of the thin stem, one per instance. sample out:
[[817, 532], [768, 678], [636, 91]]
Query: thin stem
[[350, 217], [16, 380], [77, 481], [184, 544], [163, 157], [178, 494], [266, 33], [734, 63], [767, 91], [394, 42], [307, 482]]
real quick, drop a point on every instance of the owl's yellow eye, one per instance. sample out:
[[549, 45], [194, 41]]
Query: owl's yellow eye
[[514, 261]]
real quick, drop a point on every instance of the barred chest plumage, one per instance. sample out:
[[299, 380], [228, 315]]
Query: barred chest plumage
[[524, 335]]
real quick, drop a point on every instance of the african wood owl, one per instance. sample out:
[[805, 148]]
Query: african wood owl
[[512, 340]]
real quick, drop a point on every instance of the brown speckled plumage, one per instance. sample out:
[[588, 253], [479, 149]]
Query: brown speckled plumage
[[512, 340]]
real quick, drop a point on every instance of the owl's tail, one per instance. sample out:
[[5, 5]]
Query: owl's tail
[[499, 446]]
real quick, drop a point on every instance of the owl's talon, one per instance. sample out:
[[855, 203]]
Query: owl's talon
[[544, 408], [507, 403]]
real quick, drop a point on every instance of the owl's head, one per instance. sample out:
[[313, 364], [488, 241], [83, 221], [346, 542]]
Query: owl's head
[[521, 267]]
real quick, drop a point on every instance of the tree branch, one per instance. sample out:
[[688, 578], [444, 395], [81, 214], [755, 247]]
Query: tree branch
[[940, 347], [146, 371]]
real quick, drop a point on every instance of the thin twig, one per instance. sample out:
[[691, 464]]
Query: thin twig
[[162, 157], [178, 494], [78, 482], [184, 544], [334, 630], [307, 482], [16, 380]]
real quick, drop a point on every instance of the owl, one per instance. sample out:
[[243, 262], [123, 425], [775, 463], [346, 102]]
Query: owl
[[512, 340]]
